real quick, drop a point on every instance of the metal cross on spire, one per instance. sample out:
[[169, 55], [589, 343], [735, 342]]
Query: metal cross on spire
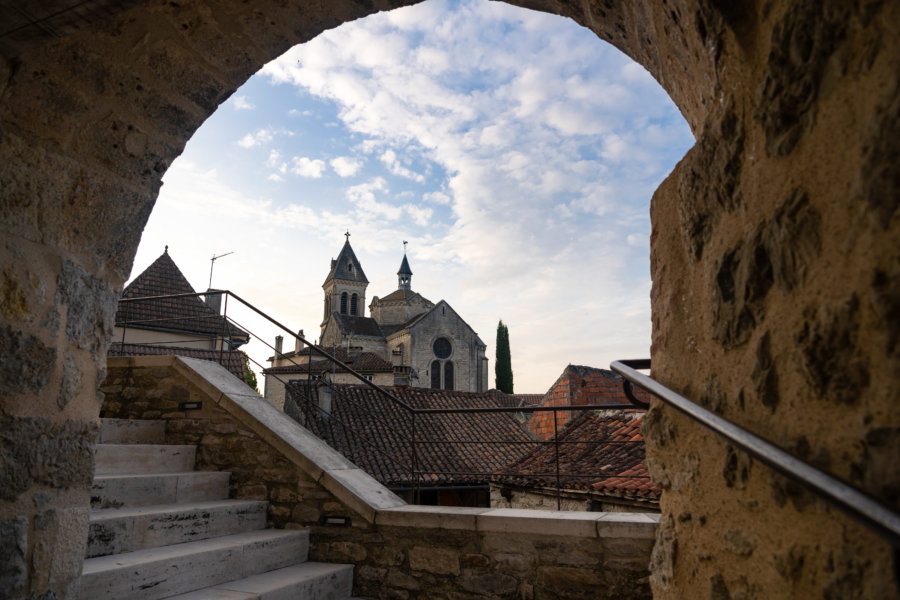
[[404, 246], [348, 236]]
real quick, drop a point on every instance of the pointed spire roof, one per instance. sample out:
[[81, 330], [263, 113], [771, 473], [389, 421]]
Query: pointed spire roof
[[346, 266], [188, 314], [404, 267]]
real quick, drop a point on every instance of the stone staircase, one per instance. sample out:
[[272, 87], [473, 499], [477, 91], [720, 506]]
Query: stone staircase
[[160, 529]]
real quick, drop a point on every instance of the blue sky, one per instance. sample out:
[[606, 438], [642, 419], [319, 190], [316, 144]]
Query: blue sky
[[513, 150]]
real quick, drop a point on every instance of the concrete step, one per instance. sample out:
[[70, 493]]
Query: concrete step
[[117, 530], [157, 573], [117, 459], [115, 491], [132, 431], [309, 581]]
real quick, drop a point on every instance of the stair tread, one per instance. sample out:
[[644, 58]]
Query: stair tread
[[264, 584], [162, 572], [139, 557], [102, 514]]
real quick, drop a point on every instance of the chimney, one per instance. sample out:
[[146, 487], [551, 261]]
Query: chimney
[[278, 343], [354, 351], [298, 345], [214, 301], [324, 394], [401, 376]]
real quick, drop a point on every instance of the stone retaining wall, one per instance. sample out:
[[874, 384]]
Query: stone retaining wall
[[400, 551]]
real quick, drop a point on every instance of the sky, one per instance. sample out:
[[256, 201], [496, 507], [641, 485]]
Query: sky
[[514, 151]]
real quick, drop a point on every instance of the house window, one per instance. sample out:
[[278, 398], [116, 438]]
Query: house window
[[353, 304], [344, 303], [435, 375], [442, 347], [368, 377], [448, 375]]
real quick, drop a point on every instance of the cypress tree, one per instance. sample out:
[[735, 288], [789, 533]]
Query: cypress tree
[[503, 366]]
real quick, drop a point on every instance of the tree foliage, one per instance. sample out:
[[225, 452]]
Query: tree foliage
[[249, 375], [503, 365]]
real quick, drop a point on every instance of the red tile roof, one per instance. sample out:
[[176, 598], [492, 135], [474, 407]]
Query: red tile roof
[[374, 433], [599, 451], [233, 360], [187, 315]]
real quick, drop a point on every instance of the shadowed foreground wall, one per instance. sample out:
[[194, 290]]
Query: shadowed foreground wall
[[775, 261]]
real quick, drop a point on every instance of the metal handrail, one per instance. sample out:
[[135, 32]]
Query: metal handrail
[[857, 504]]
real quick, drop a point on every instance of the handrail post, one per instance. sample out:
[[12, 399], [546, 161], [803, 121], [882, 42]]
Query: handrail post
[[556, 444], [415, 462], [224, 332]]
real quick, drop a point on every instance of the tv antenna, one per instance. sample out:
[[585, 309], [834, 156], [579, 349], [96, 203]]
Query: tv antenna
[[212, 263]]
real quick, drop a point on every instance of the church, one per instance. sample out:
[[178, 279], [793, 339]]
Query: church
[[426, 344]]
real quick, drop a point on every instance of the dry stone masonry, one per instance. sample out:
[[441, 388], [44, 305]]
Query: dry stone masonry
[[776, 277]]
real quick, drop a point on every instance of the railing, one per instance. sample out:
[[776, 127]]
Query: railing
[[408, 459], [857, 504]]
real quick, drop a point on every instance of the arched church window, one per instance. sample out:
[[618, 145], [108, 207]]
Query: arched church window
[[442, 347], [448, 375], [435, 375], [353, 300], [344, 303]]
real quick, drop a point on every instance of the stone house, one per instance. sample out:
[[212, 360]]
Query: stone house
[[186, 322], [185, 326], [298, 366]]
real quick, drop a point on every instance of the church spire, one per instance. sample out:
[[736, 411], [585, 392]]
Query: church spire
[[404, 275]]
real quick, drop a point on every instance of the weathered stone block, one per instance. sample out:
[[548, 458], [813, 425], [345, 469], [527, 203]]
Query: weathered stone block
[[440, 561]]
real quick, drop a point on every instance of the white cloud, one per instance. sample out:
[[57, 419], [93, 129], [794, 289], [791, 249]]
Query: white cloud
[[275, 177], [241, 103], [306, 167], [420, 215], [389, 158], [346, 166], [541, 148], [260, 138], [437, 198]]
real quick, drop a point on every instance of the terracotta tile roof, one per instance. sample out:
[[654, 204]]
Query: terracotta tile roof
[[233, 360], [364, 362], [515, 400], [374, 433], [188, 315], [403, 295], [607, 445]]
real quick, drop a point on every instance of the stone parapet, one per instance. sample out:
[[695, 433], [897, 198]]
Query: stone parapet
[[400, 551]]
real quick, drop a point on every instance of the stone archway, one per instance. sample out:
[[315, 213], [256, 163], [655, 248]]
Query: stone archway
[[776, 295]]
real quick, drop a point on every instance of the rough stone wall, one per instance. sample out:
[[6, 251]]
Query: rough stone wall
[[419, 563], [775, 269], [391, 561], [774, 258]]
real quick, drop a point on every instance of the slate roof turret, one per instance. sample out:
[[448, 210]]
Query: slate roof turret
[[346, 266]]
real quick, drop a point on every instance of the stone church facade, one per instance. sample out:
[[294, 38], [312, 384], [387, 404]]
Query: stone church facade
[[429, 344]]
